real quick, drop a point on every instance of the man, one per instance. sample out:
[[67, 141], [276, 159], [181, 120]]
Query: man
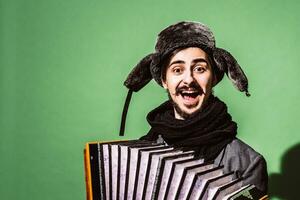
[[188, 65]]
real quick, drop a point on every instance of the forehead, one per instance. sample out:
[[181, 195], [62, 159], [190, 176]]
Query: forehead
[[189, 54]]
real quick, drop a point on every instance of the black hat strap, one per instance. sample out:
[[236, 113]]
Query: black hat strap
[[124, 113]]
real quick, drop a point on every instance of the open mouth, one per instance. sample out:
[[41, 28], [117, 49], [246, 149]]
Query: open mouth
[[189, 94], [190, 97]]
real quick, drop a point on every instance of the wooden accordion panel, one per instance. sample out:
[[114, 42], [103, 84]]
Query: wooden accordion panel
[[139, 170]]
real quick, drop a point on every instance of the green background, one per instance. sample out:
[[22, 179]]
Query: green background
[[63, 63]]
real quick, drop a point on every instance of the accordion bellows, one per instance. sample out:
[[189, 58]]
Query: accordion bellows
[[140, 170]]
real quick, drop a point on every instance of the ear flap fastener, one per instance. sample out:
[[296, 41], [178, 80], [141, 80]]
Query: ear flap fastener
[[124, 113]]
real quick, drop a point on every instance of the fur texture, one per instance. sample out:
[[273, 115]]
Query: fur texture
[[140, 75], [230, 66], [181, 35]]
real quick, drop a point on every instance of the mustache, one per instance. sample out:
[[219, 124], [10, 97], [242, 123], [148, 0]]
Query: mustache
[[192, 86]]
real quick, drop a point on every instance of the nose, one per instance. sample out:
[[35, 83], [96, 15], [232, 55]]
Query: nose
[[188, 77]]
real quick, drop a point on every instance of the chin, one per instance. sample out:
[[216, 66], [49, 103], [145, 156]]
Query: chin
[[183, 112], [191, 111]]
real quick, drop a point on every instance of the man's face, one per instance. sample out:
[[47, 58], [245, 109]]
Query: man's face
[[189, 80]]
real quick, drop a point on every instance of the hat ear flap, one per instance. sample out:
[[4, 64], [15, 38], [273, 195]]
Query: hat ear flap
[[140, 75], [228, 64]]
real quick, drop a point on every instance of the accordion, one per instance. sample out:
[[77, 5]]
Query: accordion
[[140, 170]]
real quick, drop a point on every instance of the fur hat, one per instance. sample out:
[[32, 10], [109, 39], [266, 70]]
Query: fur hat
[[181, 35]]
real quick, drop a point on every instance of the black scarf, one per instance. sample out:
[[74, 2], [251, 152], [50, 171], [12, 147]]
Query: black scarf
[[207, 132]]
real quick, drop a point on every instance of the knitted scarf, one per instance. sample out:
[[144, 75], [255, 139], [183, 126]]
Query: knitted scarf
[[207, 132]]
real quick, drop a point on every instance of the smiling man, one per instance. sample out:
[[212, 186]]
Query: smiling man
[[187, 64]]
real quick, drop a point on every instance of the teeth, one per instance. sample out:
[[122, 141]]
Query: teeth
[[188, 92]]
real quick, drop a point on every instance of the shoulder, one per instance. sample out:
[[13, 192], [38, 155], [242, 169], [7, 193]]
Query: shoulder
[[237, 156], [238, 148], [247, 163]]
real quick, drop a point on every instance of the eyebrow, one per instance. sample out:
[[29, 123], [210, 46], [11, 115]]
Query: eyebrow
[[194, 61]]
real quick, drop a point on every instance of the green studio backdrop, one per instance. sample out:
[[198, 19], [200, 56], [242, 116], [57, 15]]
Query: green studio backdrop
[[62, 67]]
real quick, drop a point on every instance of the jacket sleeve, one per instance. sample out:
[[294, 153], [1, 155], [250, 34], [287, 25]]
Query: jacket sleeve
[[256, 174]]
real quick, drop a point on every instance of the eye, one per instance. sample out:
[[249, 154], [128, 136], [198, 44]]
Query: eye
[[199, 69], [177, 70]]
